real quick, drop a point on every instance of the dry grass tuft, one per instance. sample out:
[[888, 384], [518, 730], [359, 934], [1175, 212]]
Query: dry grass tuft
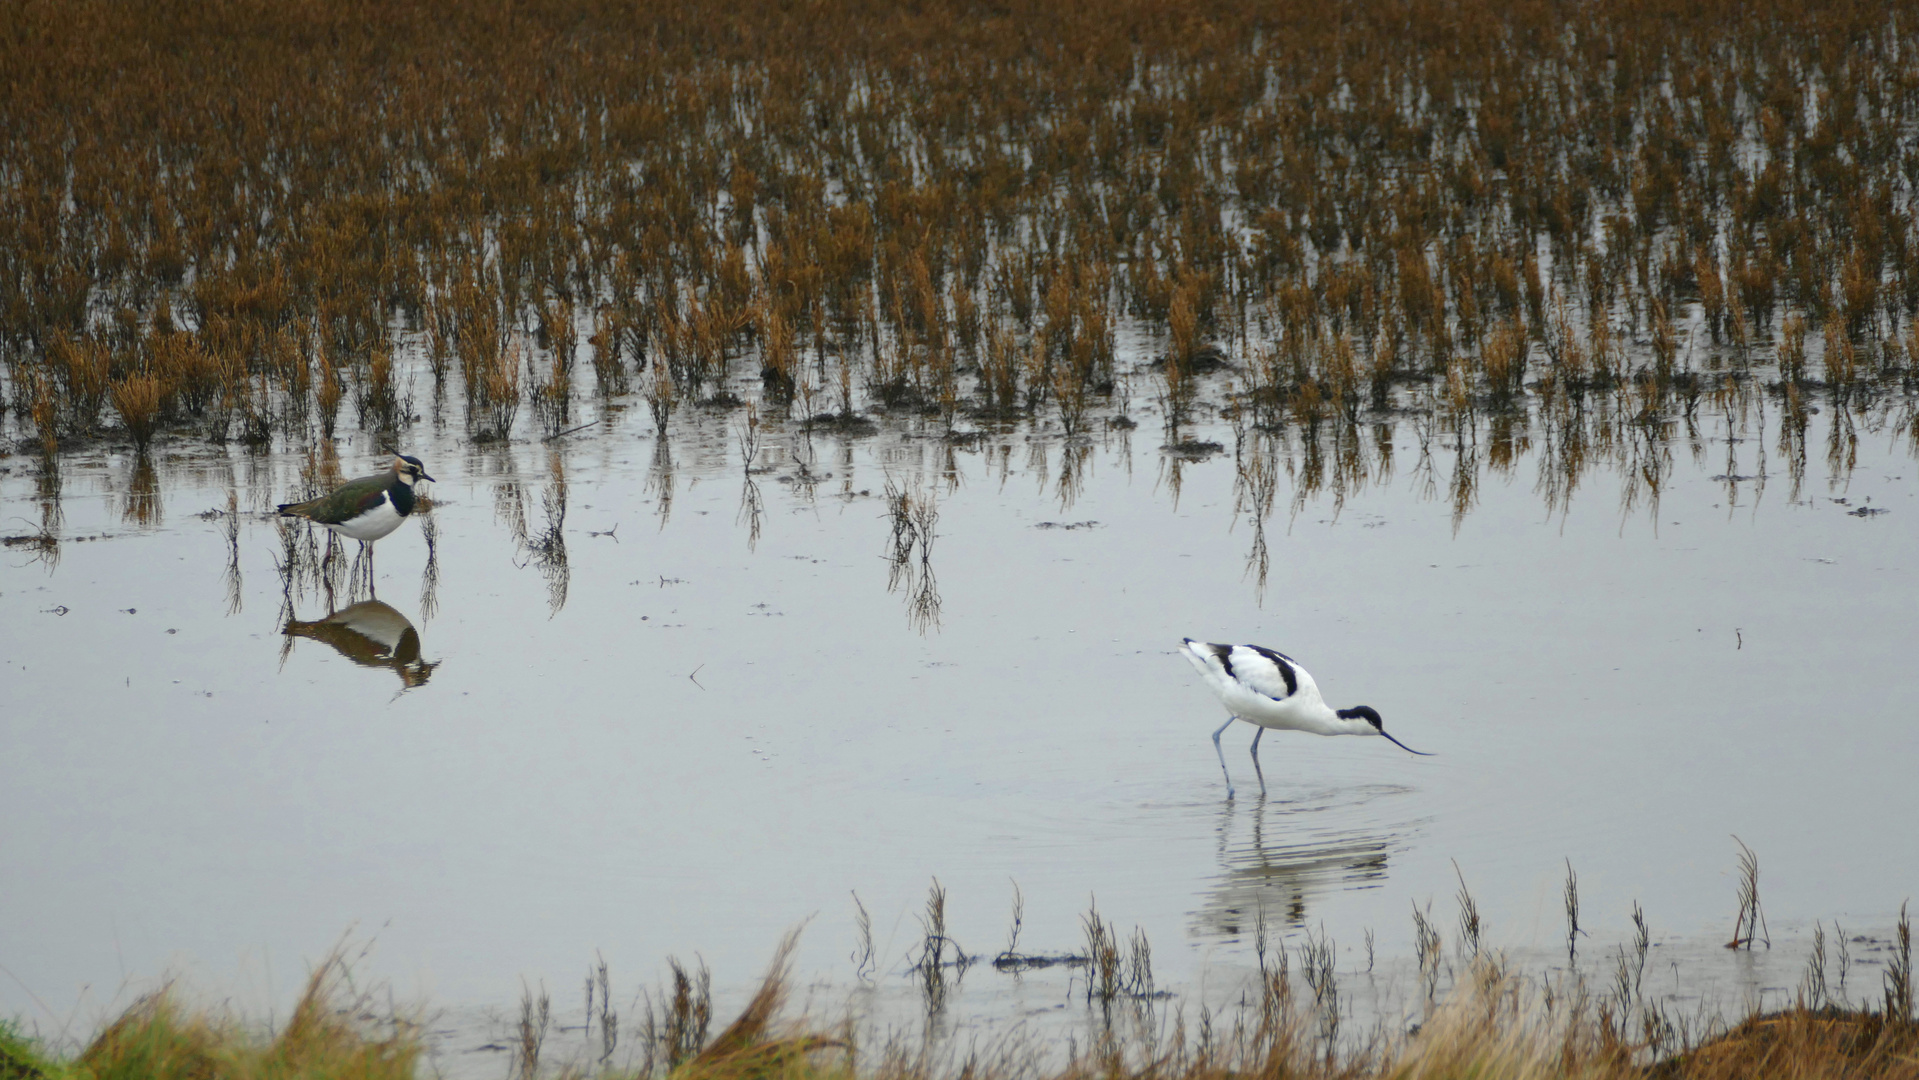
[[1803, 1044], [138, 399], [159, 1038]]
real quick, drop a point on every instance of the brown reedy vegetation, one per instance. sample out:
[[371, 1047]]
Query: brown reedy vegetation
[[233, 220], [1491, 1023]]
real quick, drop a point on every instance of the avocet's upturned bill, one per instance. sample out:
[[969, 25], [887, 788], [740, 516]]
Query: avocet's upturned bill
[[1270, 690]]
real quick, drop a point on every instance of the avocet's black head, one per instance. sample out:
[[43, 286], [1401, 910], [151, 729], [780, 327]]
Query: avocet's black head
[[409, 468], [1371, 716]]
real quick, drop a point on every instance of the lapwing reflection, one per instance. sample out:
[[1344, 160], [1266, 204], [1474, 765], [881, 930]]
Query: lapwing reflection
[[1281, 856], [371, 634]]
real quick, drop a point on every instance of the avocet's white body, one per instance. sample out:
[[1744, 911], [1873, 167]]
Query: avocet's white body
[[1269, 689]]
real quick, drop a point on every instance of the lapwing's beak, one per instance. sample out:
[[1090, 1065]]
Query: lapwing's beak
[[424, 476], [1404, 747]]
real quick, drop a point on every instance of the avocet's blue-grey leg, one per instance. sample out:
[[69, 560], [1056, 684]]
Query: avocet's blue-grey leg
[[1256, 769], [1222, 754]]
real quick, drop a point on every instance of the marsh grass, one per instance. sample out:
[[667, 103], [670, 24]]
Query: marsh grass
[[1898, 974], [138, 399], [336, 1030], [21, 1058], [1491, 1021], [536, 1017], [1541, 224], [940, 958], [1572, 915], [1013, 959], [1469, 923], [674, 1028], [1751, 920]]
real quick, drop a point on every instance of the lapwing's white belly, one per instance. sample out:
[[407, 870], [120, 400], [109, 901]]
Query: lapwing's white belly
[[371, 525]]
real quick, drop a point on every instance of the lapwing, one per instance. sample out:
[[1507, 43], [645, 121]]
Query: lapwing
[[1270, 690], [368, 508], [371, 634]]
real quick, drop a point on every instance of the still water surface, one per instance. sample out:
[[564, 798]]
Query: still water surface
[[636, 702]]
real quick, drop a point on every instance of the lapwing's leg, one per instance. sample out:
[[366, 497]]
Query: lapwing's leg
[[1256, 769], [1222, 754], [326, 582]]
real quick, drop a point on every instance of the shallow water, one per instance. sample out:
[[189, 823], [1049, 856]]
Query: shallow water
[[637, 719]]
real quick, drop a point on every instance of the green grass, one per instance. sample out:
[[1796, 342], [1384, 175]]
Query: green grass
[[331, 1035], [20, 1056]]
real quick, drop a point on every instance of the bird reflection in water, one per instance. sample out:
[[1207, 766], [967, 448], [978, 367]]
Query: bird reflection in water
[[1294, 851], [371, 634]]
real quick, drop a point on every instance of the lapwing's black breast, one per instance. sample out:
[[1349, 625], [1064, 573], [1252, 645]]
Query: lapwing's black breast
[[402, 496]]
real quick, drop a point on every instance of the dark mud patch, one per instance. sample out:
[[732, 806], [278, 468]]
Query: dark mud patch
[[846, 423], [1193, 449]]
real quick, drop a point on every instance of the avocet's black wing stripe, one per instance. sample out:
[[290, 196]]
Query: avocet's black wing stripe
[[1261, 670], [1281, 661], [1272, 654]]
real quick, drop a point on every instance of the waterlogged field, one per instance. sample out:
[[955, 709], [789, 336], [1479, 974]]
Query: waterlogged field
[[839, 417], [627, 697]]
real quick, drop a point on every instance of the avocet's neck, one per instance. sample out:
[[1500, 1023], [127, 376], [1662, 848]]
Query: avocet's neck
[[1322, 719]]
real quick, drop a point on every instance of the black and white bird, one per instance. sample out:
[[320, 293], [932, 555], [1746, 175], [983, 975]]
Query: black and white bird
[[1269, 689], [368, 508]]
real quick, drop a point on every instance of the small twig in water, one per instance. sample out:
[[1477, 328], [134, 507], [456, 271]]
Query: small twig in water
[[1572, 914], [863, 955], [571, 430], [1845, 961], [694, 672], [1012, 940]]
